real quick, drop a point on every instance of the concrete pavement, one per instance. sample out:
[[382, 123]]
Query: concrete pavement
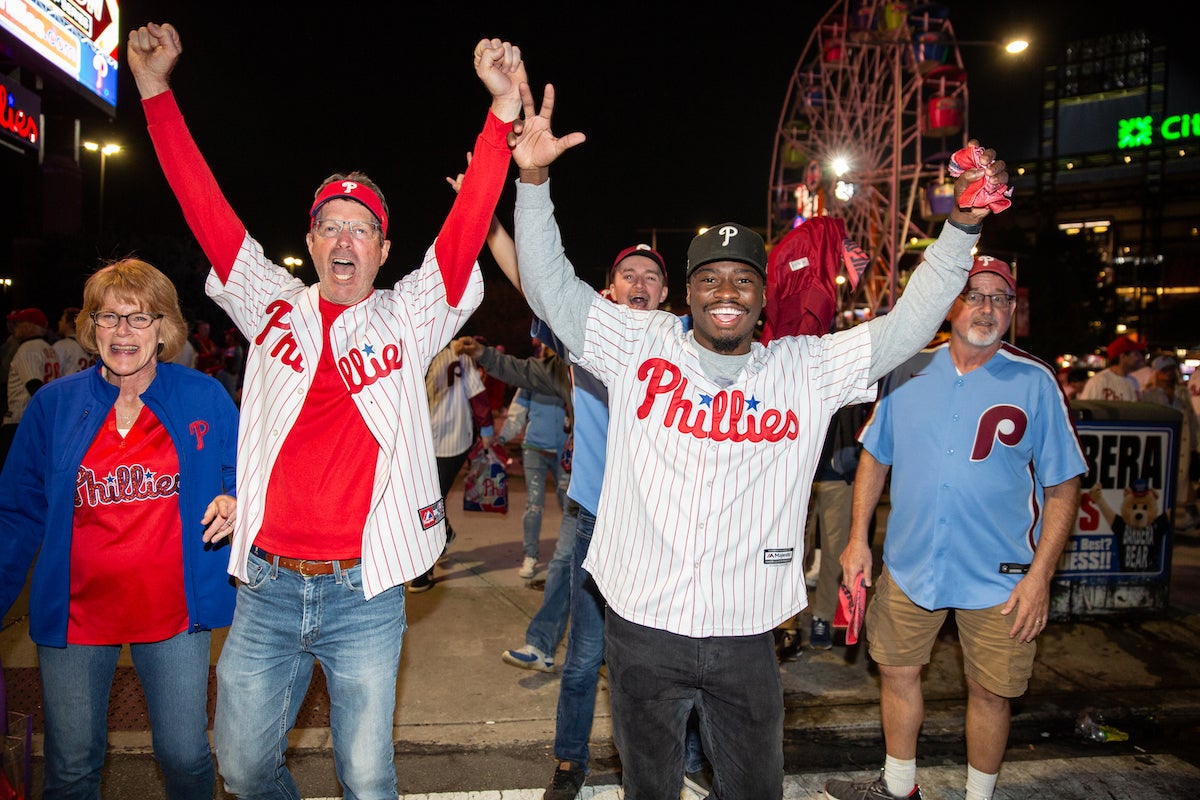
[[454, 692]]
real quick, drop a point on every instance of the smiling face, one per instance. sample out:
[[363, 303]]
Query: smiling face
[[347, 267], [726, 299], [638, 282], [984, 325], [128, 353]]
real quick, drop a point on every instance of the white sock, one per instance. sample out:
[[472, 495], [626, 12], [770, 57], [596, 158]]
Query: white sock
[[900, 775], [980, 785]]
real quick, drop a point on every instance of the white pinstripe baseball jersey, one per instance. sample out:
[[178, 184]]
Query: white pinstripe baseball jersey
[[700, 529], [383, 347], [450, 383]]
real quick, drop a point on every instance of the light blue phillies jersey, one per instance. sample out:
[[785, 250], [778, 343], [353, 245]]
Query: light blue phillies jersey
[[970, 456]]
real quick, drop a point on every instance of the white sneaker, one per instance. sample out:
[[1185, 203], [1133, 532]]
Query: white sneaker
[[528, 568], [528, 657]]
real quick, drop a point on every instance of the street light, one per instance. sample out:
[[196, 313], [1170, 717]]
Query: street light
[[105, 150], [292, 263]]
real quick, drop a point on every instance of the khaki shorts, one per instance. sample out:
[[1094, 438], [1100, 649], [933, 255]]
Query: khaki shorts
[[901, 634]]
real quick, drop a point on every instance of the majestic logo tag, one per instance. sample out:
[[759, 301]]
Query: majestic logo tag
[[781, 555]]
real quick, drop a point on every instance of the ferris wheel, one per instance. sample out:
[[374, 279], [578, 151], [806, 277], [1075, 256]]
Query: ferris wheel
[[876, 105]]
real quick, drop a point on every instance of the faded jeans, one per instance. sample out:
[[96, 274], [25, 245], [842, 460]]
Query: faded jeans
[[282, 624], [537, 465], [76, 683], [546, 629]]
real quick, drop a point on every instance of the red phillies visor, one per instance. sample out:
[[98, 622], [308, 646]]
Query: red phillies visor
[[352, 190]]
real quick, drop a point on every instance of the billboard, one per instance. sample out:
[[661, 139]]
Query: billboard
[[78, 38]]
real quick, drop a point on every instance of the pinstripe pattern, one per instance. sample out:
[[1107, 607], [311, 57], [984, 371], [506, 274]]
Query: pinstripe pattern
[[384, 346], [450, 383], [700, 529]]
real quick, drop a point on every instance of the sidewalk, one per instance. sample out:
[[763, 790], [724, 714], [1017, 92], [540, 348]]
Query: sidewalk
[[455, 691]]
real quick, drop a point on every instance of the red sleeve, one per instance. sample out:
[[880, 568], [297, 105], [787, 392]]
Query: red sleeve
[[206, 210], [465, 230]]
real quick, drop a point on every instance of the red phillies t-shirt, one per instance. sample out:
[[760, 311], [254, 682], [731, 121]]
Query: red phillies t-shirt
[[326, 467], [127, 541]]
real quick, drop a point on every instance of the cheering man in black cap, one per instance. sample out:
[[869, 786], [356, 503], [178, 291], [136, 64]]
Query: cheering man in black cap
[[713, 442]]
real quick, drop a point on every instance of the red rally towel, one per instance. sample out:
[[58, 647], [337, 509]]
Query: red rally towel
[[978, 194], [852, 606]]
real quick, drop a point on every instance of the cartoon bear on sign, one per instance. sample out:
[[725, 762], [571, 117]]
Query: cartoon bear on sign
[[1140, 528]]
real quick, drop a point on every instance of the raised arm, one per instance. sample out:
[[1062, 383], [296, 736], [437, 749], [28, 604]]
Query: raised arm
[[499, 242], [500, 67], [551, 286], [931, 290], [152, 53]]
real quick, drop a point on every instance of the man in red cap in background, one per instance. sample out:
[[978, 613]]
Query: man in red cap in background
[[1126, 355], [34, 363]]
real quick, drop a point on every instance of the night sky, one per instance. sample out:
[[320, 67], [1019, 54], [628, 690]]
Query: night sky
[[680, 107]]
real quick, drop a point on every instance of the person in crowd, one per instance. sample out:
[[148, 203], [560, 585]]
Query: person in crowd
[[34, 364], [459, 413], [121, 486], [543, 384], [636, 279], [1074, 380], [71, 356], [187, 353], [1166, 388], [547, 429], [1126, 355], [829, 516], [970, 425], [208, 355], [724, 428], [340, 503]]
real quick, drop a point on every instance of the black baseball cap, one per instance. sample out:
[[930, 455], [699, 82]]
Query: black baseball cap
[[727, 242]]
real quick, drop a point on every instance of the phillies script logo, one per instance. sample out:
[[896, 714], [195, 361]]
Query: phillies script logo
[[725, 419], [127, 484], [1003, 424], [359, 368], [286, 350]]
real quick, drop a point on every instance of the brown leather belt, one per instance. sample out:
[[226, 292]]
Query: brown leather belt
[[304, 566]]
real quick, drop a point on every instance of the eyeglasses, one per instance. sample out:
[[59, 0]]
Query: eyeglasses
[[111, 319], [329, 228], [974, 299]]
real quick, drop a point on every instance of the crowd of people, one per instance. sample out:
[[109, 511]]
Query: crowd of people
[[293, 478]]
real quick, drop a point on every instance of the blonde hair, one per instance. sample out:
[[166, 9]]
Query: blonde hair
[[136, 282]]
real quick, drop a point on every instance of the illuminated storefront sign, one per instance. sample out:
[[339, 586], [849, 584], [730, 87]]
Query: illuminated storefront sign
[[20, 110]]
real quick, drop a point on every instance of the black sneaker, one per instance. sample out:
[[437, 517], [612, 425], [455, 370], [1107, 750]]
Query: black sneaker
[[421, 583], [820, 636], [568, 780], [865, 790]]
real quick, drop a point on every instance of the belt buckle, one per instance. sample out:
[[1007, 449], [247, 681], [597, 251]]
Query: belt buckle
[[303, 568]]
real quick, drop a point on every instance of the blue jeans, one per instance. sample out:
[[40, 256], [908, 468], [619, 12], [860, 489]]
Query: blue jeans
[[585, 654], [76, 683], [656, 679], [282, 623], [538, 464], [546, 628]]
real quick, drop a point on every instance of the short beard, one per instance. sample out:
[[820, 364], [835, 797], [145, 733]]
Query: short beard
[[726, 345], [980, 339]]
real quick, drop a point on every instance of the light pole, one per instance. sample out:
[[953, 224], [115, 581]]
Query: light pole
[[107, 149]]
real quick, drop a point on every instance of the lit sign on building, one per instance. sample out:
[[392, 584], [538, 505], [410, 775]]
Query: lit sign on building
[[20, 110], [1139, 131], [77, 37]]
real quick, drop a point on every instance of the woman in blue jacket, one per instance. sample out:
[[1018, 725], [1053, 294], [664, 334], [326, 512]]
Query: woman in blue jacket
[[121, 482]]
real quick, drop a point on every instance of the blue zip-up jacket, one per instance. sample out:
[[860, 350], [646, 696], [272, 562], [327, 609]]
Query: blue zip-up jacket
[[37, 490]]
